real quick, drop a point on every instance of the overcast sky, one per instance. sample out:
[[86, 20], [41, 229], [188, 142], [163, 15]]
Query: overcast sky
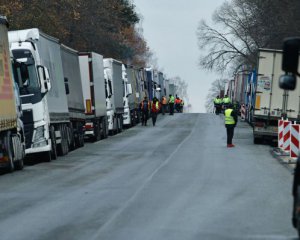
[[170, 30]]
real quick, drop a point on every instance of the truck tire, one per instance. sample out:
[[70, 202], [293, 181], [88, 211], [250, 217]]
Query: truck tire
[[97, 131], [9, 151], [105, 126], [18, 151], [257, 140], [53, 143], [120, 124], [63, 147], [19, 164]]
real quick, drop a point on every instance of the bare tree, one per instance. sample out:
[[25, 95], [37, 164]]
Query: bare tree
[[181, 87], [243, 26], [216, 87]]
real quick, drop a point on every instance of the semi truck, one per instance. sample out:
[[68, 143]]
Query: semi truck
[[72, 80], [271, 102], [12, 136], [134, 99], [114, 83], [44, 100], [95, 95], [127, 116]]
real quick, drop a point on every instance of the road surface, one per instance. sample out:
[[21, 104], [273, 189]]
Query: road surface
[[174, 181]]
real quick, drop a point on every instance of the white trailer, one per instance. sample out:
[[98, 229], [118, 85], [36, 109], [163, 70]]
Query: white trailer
[[272, 103], [72, 79], [114, 81], [94, 95]]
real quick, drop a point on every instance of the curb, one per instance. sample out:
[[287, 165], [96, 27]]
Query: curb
[[284, 159]]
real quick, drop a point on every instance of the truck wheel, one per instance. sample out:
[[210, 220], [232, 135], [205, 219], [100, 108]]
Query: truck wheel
[[120, 124], [97, 132], [19, 164], [105, 128], [63, 147], [20, 152], [53, 143], [257, 140], [81, 140], [9, 151]]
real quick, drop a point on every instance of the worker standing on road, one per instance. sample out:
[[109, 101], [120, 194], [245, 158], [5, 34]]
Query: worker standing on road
[[171, 104], [163, 105], [144, 108], [225, 102], [181, 105], [218, 105], [230, 123], [154, 110]]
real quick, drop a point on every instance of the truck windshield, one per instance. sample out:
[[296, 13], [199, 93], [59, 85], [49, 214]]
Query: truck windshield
[[26, 78], [25, 72]]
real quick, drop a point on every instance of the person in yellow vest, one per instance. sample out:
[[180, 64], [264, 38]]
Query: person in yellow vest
[[155, 106], [163, 105], [218, 105], [225, 102], [171, 104], [231, 119]]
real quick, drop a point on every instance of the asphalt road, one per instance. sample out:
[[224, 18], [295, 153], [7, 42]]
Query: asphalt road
[[174, 181]]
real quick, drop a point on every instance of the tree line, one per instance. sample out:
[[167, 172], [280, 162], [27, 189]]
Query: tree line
[[240, 27], [103, 26]]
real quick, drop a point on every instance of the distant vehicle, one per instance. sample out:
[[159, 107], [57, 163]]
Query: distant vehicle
[[134, 99], [114, 81], [12, 136], [45, 106], [127, 116], [72, 80], [95, 95]]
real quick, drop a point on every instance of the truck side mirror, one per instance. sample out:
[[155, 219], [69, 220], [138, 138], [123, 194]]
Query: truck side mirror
[[67, 86], [129, 89], [287, 82], [44, 78], [290, 58]]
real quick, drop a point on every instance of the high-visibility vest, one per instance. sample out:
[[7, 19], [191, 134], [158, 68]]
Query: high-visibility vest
[[218, 100], [226, 100], [164, 100], [171, 100], [229, 120]]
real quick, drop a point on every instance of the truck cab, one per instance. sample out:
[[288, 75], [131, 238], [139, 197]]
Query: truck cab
[[34, 85], [127, 92], [112, 125]]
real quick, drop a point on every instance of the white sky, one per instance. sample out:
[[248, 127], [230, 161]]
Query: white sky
[[170, 30]]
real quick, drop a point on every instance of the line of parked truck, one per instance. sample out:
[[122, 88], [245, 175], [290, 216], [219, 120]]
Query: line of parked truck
[[264, 102], [53, 97]]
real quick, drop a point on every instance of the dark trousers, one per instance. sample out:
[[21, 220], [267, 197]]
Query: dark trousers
[[163, 109], [154, 116], [230, 133], [171, 106], [144, 117]]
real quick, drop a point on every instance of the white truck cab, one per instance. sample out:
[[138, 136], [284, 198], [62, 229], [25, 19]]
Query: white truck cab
[[33, 85], [127, 92]]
